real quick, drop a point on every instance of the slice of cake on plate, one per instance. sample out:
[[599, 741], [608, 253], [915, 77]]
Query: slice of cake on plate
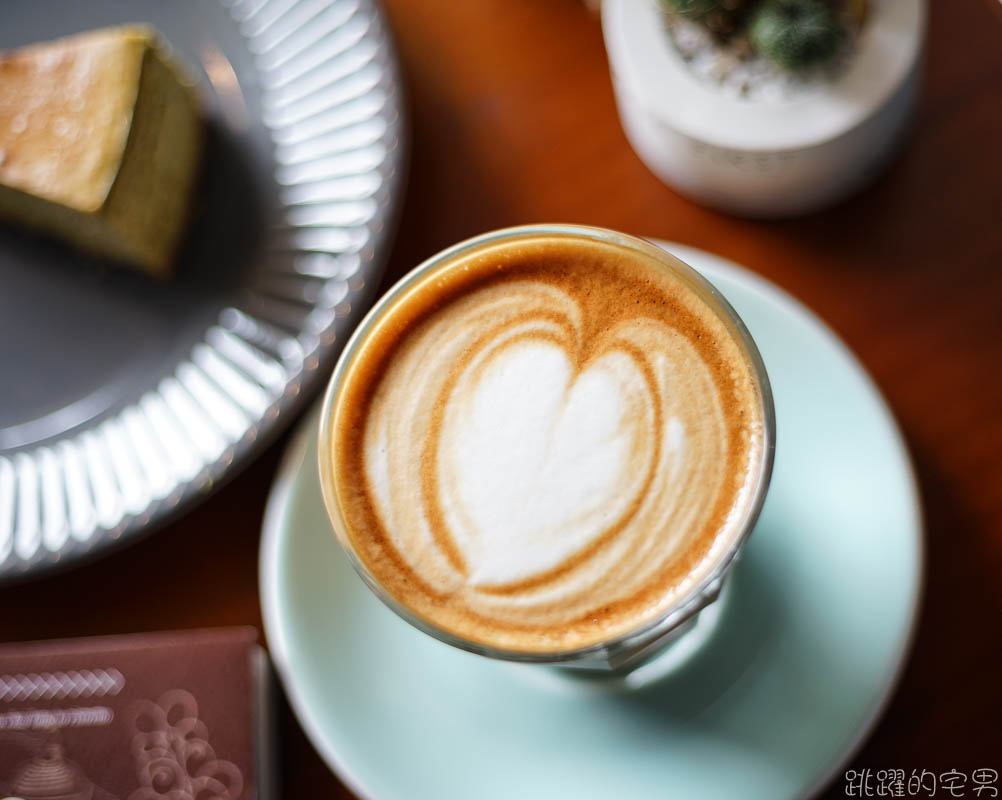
[[100, 142]]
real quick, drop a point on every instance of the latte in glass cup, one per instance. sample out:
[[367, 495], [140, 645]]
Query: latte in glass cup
[[548, 444]]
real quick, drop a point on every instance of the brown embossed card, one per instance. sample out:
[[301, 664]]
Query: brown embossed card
[[159, 715]]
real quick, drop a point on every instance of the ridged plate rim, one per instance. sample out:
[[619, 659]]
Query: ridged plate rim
[[331, 96]]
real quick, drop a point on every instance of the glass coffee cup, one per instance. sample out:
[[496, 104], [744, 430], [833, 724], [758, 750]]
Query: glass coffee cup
[[548, 444]]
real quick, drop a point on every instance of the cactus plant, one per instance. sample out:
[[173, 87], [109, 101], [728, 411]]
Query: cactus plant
[[795, 34], [721, 17], [697, 9]]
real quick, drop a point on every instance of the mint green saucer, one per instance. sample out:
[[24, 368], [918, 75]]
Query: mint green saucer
[[802, 660]]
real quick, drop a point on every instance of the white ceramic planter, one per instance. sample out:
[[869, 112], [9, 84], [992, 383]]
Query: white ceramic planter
[[763, 158]]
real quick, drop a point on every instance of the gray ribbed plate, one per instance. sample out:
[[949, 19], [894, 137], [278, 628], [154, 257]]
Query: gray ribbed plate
[[122, 400]]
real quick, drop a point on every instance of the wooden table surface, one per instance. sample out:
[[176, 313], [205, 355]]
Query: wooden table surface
[[513, 121]]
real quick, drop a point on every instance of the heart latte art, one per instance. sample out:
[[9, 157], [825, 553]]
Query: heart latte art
[[545, 444]]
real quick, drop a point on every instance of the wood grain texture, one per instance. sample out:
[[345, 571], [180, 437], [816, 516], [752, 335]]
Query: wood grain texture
[[513, 121]]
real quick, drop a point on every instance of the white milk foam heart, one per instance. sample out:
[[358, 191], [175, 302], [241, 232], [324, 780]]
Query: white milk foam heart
[[537, 463]]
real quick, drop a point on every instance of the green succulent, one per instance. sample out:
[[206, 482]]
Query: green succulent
[[720, 16], [795, 34], [696, 9]]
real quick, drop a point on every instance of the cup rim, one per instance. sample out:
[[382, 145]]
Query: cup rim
[[687, 605]]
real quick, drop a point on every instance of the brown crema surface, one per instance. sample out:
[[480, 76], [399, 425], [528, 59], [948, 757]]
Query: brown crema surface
[[642, 439]]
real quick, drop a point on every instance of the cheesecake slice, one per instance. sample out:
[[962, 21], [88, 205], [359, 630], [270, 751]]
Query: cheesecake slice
[[100, 143]]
